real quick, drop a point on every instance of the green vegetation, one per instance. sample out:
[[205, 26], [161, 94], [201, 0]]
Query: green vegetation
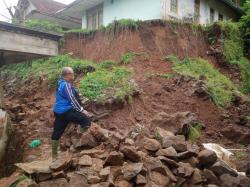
[[128, 58], [245, 24], [121, 25], [194, 132], [43, 25], [103, 83], [230, 35], [108, 64], [99, 82], [84, 31], [20, 179], [219, 86], [49, 68], [244, 65]]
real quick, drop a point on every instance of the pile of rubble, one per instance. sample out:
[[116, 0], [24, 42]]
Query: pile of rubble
[[101, 158]]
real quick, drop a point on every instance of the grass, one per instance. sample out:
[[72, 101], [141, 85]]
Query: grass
[[218, 85], [244, 65], [128, 58], [194, 132], [121, 25], [229, 33], [20, 179], [49, 68], [43, 25], [105, 83], [98, 81]]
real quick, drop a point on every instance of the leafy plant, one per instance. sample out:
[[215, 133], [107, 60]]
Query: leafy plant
[[84, 31], [245, 75], [194, 132], [218, 85], [229, 35], [20, 179], [104, 83], [50, 68], [108, 64], [171, 58], [128, 58], [43, 25], [245, 24]]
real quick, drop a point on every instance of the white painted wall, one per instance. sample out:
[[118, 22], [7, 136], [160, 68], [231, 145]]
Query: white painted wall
[[146, 10], [219, 8]]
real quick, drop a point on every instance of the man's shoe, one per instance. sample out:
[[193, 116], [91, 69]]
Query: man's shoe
[[55, 145]]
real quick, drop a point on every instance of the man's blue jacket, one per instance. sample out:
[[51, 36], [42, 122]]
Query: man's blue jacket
[[66, 98]]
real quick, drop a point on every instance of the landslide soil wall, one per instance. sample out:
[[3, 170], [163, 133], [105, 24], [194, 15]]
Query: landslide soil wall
[[154, 38]]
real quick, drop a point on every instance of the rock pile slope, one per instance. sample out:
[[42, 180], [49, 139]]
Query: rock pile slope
[[103, 158]]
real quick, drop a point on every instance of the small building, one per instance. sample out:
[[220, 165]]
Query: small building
[[95, 13], [45, 10]]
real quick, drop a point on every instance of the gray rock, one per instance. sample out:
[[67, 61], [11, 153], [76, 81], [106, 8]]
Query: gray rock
[[129, 171], [85, 160], [220, 168], [114, 159], [151, 144], [169, 152], [207, 158], [131, 153]]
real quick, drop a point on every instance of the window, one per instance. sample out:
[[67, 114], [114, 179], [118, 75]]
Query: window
[[221, 17], [95, 17], [174, 6], [197, 10], [211, 15]]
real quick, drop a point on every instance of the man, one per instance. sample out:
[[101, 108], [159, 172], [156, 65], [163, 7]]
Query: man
[[67, 108]]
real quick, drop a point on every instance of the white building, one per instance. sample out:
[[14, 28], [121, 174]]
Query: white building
[[95, 13]]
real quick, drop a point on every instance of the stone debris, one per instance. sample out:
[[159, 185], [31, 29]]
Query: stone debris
[[165, 160]]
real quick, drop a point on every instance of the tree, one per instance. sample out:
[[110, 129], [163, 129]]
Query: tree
[[245, 23]]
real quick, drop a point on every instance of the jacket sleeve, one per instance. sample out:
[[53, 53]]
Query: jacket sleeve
[[70, 96]]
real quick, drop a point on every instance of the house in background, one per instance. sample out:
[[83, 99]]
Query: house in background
[[95, 13], [45, 10]]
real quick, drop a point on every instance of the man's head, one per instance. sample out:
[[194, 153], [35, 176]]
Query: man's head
[[68, 74]]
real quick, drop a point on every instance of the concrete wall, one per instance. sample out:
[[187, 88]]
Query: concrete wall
[[10, 41], [219, 8], [128, 9], [160, 9]]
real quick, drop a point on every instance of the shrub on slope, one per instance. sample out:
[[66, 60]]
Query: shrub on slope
[[219, 86]]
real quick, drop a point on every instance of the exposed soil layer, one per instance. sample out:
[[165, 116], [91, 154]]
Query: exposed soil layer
[[31, 106]]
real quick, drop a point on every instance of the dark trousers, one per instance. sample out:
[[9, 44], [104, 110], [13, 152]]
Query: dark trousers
[[62, 121]]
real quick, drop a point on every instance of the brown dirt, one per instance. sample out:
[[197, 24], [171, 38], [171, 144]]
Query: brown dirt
[[152, 42]]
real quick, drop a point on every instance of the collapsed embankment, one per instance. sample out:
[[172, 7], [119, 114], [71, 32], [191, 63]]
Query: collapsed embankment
[[156, 39], [161, 95]]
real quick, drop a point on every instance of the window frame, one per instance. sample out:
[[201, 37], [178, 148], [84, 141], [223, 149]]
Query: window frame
[[174, 6], [212, 15], [95, 17]]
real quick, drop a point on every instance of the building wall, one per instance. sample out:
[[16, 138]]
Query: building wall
[[128, 9], [219, 8], [160, 9]]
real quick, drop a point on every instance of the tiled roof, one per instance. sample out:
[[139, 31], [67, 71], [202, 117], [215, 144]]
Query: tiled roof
[[47, 6]]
